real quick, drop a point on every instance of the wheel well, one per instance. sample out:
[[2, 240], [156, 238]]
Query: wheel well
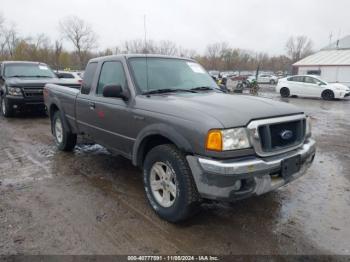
[[53, 109], [148, 143], [327, 90]]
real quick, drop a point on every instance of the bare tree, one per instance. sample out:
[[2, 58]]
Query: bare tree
[[190, 53], [167, 48], [81, 35], [2, 36], [136, 46], [57, 53], [299, 47], [11, 40], [215, 52]]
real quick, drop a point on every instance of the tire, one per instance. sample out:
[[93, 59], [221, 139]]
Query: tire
[[175, 180], [285, 92], [272, 82], [328, 95], [6, 110], [65, 140]]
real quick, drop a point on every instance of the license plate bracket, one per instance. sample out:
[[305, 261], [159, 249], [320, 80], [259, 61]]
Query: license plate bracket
[[290, 166]]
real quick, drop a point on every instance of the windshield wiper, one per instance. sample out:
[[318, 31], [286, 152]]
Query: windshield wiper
[[17, 76], [43, 76], [167, 90], [203, 88], [37, 76]]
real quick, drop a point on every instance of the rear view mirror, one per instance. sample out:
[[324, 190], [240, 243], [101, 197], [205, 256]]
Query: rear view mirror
[[114, 91]]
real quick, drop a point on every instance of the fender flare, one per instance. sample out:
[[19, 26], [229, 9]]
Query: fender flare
[[162, 130], [57, 103]]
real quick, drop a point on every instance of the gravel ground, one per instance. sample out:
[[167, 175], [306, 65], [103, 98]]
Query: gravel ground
[[90, 202]]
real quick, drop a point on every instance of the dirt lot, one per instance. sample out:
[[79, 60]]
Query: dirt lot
[[89, 202]]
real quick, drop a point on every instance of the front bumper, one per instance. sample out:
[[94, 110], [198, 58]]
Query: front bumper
[[237, 179], [21, 102]]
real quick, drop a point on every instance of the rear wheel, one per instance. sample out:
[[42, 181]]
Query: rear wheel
[[6, 110], [169, 185], [272, 82], [65, 140], [328, 95], [285, 92]]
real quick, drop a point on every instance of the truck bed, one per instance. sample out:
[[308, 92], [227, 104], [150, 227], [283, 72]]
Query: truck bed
[[63, 96]]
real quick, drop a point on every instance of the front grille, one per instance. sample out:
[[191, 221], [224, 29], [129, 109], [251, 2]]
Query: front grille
[[272, 135], [33, 92]]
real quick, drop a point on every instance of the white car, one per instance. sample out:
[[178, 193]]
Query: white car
[[70, 75], [311, 86], [265, 79]]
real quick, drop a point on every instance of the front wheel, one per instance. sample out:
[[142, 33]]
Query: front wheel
[[169, 185], [6, 110], [65, 140], [272, 82], [285, 92], [328, 95]]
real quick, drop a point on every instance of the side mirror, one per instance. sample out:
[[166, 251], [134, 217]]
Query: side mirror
[[114, 91]]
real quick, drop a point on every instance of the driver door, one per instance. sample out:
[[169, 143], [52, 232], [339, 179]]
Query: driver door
[[111, 116]]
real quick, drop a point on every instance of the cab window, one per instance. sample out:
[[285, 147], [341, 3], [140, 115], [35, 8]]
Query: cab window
[[112, 73], [88, 78]]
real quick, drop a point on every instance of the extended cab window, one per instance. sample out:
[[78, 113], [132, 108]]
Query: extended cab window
[[112, 73], [88, 77]]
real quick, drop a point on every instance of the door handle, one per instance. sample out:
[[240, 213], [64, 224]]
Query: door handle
[[136, 117], [92, 105]]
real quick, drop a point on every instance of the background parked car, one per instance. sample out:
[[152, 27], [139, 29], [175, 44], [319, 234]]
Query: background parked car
[[70, 75], [21, 85], [311, 86], [214, 74], [265, 79]]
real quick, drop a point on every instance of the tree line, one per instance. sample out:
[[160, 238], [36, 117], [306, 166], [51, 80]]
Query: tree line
[[74, 30]]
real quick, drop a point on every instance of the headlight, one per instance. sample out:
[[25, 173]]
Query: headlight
[[15, 91], [308, 126], [228, 139]]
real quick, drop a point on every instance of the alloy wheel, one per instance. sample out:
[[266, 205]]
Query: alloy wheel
[[163, 184], [58, 130]]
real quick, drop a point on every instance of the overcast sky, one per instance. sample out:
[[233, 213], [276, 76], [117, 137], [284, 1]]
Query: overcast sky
[[259, 25]]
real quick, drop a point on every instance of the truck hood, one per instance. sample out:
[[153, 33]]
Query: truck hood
[[40, 82], [229, 110]]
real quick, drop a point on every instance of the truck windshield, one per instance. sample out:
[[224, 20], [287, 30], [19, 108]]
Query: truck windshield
[[28, 70], [169, 74]]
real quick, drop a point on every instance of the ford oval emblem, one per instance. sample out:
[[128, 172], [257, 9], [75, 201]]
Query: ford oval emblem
[[286, 134]]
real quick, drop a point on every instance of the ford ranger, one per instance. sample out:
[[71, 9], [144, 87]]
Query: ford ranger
[[192, 141], [22, 83]]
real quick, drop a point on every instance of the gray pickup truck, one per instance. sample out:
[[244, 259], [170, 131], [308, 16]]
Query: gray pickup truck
[[193, 141]]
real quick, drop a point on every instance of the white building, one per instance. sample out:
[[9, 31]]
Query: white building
[[331, 63]]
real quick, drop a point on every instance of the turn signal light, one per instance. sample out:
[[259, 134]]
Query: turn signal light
[[214, 140]]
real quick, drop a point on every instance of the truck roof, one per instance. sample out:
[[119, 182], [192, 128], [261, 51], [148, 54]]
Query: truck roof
[[127, 56]]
